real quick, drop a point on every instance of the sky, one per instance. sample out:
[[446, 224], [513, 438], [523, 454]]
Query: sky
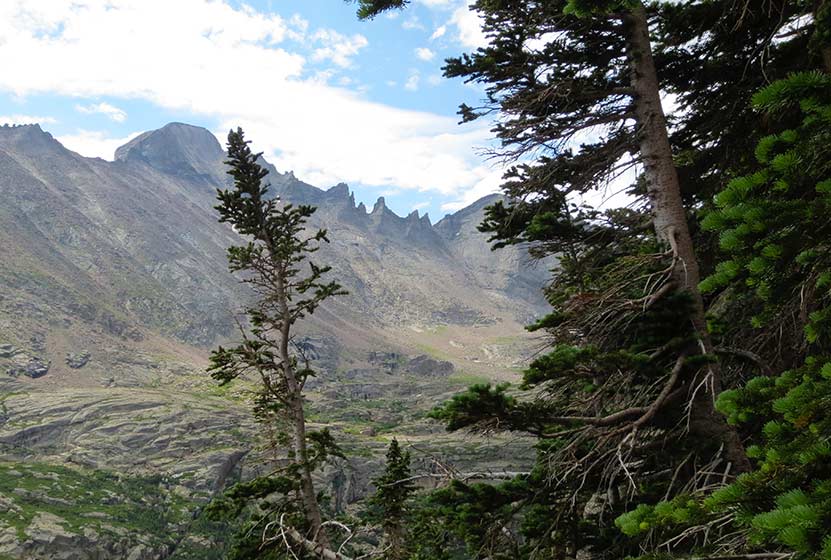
[[324, 95]]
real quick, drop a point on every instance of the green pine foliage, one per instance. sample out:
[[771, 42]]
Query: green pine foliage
[[277, 261], [774, 228], [368, 9], [391, 504], [786, 501]]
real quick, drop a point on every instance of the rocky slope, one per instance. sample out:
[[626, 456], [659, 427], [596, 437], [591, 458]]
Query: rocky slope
[[113, 287]]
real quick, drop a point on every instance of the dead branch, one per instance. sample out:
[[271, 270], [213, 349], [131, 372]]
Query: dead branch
[[747, 354], [757, 556], [464, 477], [665, 392]]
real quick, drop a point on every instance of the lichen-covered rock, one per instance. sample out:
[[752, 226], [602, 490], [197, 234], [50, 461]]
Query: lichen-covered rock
[[33, 367], [77, 360], [390, 361], [47, 538], [426, 366]]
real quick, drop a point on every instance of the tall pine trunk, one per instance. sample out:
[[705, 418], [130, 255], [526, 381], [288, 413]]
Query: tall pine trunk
[[821, 11], [671, 227], [308, 496]]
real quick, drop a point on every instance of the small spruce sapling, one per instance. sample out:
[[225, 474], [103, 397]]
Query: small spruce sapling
[[391, 501]]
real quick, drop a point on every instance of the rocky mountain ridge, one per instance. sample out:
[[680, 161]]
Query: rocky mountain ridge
[[141, 232]]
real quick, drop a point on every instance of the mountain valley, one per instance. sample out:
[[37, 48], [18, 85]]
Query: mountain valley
[[114, 288]]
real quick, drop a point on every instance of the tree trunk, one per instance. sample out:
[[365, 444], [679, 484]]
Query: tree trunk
[[820, 9], [314, 548], [395, 538], [670, 221], [297, 416]]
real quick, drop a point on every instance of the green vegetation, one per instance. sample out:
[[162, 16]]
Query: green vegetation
[[276, 261], [711, 286], [93, 499], [390, 505], [462, 378]]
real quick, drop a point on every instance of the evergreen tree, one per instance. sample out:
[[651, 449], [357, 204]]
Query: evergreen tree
[[395, 488], [289, 287], [774, 227], [632, 367], [623, 405]]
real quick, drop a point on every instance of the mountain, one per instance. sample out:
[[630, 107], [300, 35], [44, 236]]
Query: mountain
[[133, 245], [114, 286]]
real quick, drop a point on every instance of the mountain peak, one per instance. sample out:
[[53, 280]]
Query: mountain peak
[[21, 127], [29, 137], [176, 148], [380, 205], [341, 190]]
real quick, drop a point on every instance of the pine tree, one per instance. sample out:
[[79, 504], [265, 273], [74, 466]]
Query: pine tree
[[632, 365], [773, 226], [395, 488], [289, 286], [623, 405]]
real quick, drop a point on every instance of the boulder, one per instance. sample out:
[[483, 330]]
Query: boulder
[[389, 361], [33, 368], [7, 350], [425, 366], [77, 360]]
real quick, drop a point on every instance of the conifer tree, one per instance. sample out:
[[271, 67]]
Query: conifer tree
[[394, 490], [773, 225], [623, 405], [289, 286]]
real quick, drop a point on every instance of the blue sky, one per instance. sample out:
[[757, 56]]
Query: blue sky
[[323, 94]]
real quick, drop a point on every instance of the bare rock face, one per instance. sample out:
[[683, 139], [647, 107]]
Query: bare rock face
[[8, 350], [134, 245], [425, 366], [127, 430], [48, 539], [179, 149]]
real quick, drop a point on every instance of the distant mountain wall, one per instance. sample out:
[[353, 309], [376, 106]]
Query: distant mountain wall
[[133, 247]]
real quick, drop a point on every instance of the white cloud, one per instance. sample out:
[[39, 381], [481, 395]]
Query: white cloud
[[412, 81], [425, 54], [232, 65], [111, 111], [488, 182], [420, 205], [434, 79], [539, 43], [412, 23], [26, 119], [468, 27], [440, 4], [439, 32], [93, 143], [337, 47]]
